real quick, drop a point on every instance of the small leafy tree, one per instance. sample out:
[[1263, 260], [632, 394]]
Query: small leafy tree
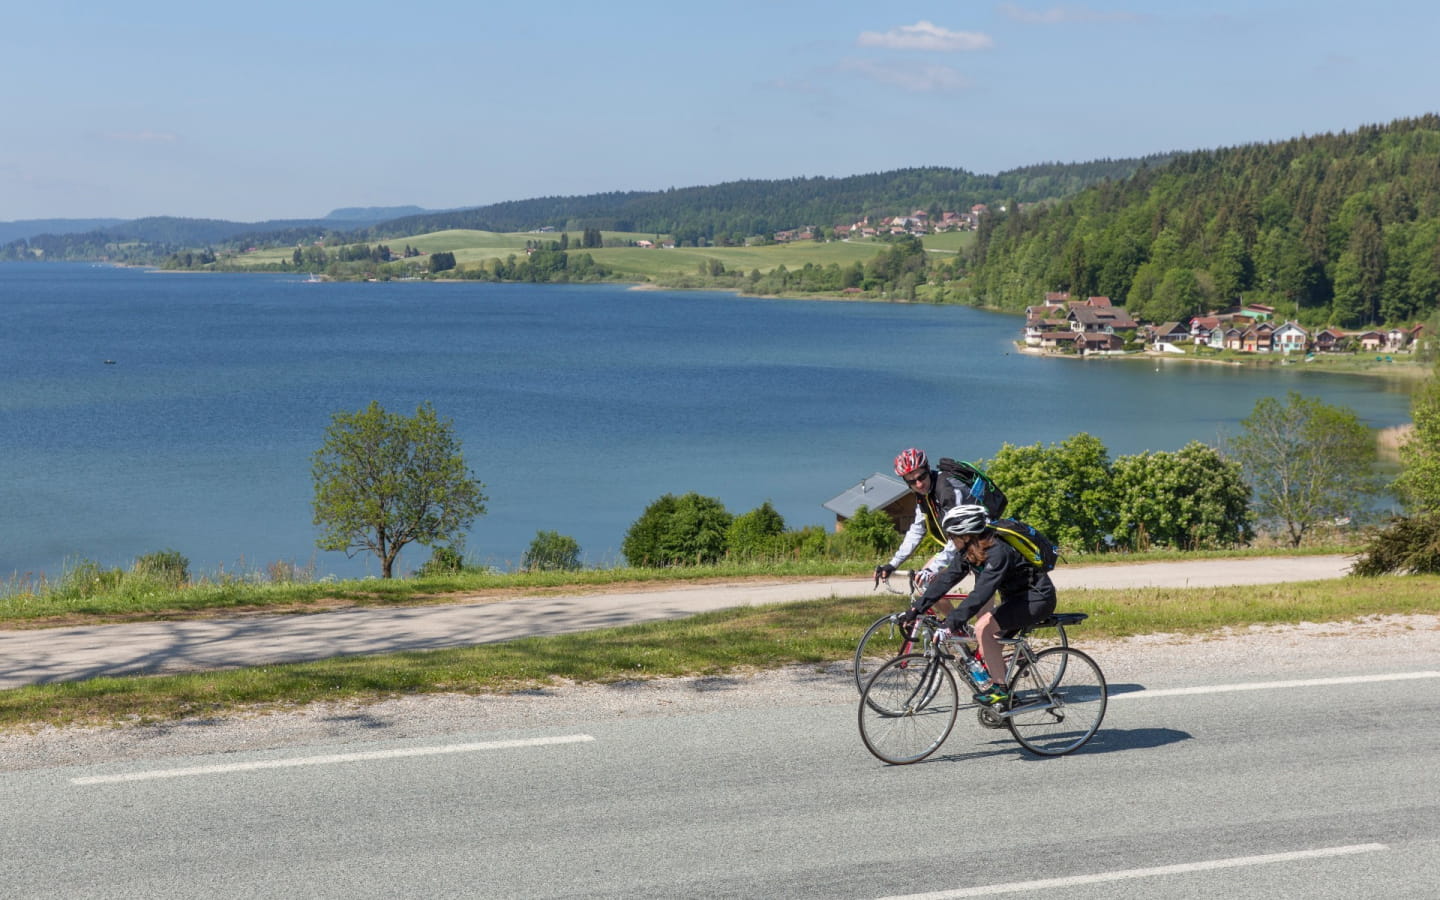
[[675, 530], [1064, 489], [1419, 481], [1308, 462], [384, 480], [1192, 499], [754, 533], [551, 550]]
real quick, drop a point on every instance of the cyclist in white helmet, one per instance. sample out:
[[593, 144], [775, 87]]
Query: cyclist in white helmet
[[1025, 593]]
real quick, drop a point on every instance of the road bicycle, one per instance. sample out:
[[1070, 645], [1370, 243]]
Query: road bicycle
[[1057, 698], [887, 637]]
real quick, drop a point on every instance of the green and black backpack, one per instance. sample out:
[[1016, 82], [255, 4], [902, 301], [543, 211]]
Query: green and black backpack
[[1038, 550], [982, 490]]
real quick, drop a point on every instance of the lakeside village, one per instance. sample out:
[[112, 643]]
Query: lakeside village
[[1094, 326]]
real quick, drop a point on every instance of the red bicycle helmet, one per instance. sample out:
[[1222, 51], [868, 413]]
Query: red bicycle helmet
[[909, 461]]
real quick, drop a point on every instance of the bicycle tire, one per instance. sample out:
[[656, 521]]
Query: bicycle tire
[[908, 709], [882, 642], [1057, 702]]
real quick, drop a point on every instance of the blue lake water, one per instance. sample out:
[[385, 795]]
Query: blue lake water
[[576, 405]]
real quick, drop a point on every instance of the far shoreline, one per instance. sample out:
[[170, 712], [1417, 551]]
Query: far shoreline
[[1408, 369]]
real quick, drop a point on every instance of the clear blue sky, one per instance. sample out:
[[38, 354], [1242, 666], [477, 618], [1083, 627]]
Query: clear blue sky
[[264, 110]]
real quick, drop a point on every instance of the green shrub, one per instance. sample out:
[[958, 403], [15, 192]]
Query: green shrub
[[678, 530], [87, 579], [168, 567], [810, 542], [442, 561], [551, 551], [755, 533], [872, 530], [1407, 545]]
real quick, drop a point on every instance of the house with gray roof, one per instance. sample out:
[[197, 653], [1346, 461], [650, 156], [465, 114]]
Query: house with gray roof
[[879, 491]]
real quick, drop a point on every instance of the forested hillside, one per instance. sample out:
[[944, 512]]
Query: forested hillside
[[1339, 229], [735, 210], [725, 213]]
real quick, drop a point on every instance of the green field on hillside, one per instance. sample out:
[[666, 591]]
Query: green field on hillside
[[474, 248], [658, 263], [949, 241]]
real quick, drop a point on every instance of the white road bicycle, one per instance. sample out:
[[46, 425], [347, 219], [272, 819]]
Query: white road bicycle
[[1057, 699]]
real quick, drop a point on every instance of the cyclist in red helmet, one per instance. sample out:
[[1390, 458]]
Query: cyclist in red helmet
[[936, 493]]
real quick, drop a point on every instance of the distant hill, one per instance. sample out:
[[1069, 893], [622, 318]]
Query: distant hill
[[741, 208], [27, 228], [369, 215], [731, 210], [175, 231]]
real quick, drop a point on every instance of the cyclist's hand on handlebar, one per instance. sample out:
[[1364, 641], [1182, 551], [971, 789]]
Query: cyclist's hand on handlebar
[[883, 573]]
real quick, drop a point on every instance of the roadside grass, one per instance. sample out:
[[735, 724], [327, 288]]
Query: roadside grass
[[820, 633], [85, 595]]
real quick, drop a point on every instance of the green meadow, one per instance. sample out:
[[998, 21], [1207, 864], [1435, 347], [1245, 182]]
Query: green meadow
[[475, 248]]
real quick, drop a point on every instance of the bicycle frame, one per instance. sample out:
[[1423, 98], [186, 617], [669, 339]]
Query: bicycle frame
[[1057, 698]]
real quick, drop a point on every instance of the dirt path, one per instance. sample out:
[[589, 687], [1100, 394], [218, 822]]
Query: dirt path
[[76, 653]]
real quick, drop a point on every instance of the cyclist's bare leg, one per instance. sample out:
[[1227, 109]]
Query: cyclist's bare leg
[[987, 631]]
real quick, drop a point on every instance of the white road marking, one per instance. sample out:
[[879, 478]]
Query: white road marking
[[1125, 874], [327, 760], [1269, 685]]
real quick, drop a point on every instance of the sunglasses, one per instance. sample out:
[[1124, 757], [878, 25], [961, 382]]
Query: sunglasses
[[916, 479]]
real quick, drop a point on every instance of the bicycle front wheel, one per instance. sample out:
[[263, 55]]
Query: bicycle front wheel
[[908, 709], [882, 642], [1058, 702]]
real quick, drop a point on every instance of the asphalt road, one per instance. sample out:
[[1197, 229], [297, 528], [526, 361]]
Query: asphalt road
[[1203, 782], [73, 654]]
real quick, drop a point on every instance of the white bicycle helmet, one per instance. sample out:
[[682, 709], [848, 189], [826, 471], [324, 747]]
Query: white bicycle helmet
[[968, 518]]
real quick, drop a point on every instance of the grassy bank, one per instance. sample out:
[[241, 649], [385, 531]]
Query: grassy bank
[[816, 633], [80, 598]]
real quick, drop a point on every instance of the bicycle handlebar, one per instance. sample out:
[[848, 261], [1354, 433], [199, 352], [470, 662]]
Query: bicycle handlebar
[[885, 579]]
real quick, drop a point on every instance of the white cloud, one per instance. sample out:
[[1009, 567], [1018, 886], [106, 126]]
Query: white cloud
[[1058, 15], [925, 36], [919, 79]]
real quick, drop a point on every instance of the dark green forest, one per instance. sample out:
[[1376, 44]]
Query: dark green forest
[[728, 213], [721, 213], [1340, 229]]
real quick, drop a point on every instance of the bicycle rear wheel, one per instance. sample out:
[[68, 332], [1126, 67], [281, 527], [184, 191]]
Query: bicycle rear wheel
[[1057, 702], [908, 709], [882, 642], [1045, 638]]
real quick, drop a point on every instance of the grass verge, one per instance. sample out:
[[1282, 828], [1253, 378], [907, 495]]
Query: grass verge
[[134, 597], [815, 632]]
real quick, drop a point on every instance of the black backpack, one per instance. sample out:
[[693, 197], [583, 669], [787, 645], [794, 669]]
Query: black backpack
[[981, 489], [1038, 550]]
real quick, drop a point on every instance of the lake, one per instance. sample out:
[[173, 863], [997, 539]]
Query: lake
[[142, 411]]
